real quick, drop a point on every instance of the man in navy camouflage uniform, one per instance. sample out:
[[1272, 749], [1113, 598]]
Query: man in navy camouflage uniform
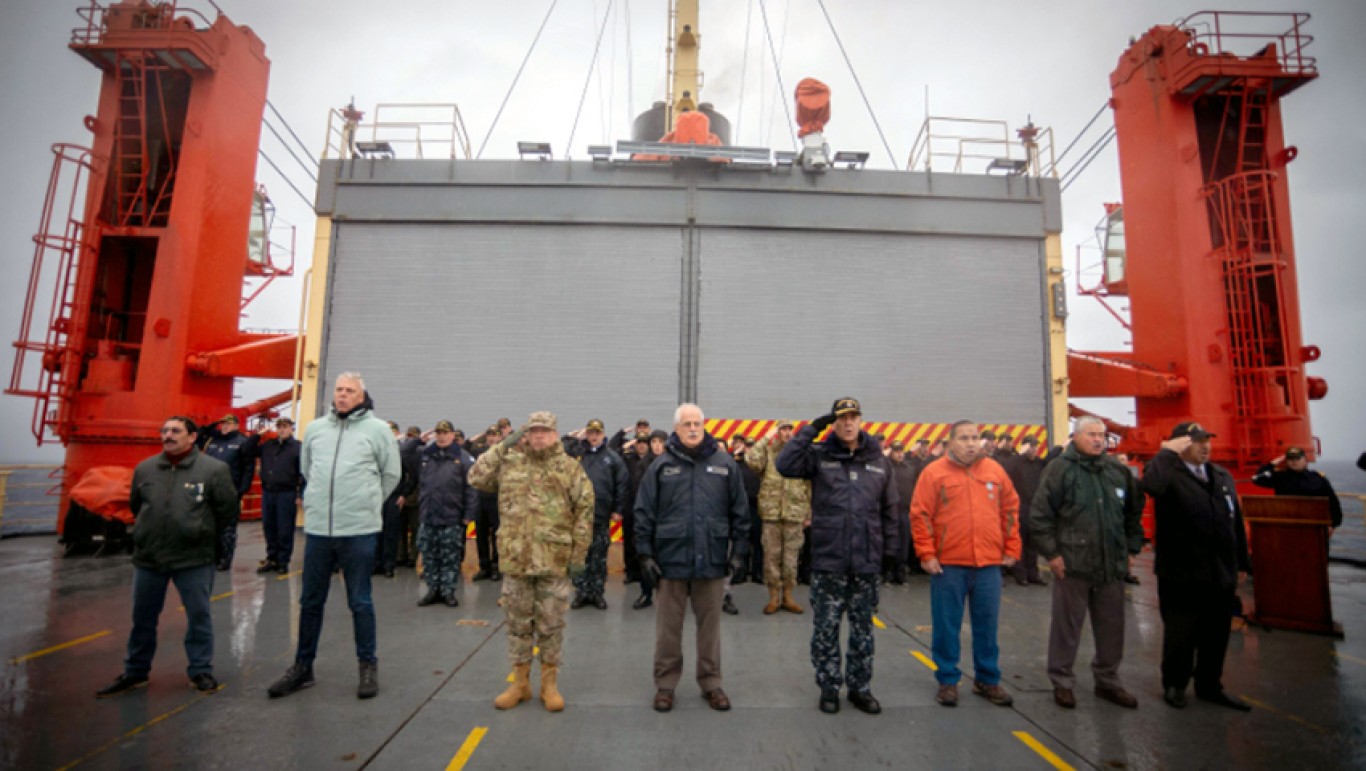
[[853, 529], [447, 501], [238, 450], [607, 471]]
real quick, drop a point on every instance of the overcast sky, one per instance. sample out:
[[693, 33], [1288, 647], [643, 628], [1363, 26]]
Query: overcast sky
[[1049, 60]]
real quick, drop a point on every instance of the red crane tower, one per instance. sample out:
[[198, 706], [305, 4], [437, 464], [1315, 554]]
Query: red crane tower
[[1203, 246], [136, 291]]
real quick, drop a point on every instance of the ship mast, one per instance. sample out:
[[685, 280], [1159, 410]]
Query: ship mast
[[685, 79]]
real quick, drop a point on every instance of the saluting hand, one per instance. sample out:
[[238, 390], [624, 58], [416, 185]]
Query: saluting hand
[[1177, 445]]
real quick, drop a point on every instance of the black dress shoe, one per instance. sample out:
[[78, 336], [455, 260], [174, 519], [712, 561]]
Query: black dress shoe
[[452, 601], [865, 702], [432, 597], [1175, 697], [600, 602], [282, 569], [482, 575], [495, 575], [728, 606], [830, 700], [1224, 700], [643, 601], [266, 567], [122, 684], [388, 572], [579, 601]]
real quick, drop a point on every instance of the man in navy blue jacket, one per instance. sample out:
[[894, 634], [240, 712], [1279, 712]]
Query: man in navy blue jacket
[[853, 529], [691, 513], [282, 485]]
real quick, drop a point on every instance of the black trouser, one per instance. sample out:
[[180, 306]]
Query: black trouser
[[629, 556], [486, 532], [407, 532], [1027, 569], [804, 559], [756, 543], [1195, 628], [386, 546]]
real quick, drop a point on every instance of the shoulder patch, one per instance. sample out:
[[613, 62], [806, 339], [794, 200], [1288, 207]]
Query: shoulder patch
[[671, 471]]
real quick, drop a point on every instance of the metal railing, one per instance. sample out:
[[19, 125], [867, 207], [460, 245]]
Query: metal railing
[[161, 16], [977, 146], [408, 130], [1250, 33]]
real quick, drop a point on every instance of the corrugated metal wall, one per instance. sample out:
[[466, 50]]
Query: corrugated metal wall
[[917, 327], [471, 322]]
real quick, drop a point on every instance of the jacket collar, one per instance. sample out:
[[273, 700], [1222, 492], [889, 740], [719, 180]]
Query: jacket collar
[[164, 461], [868, 447], [704, 450]]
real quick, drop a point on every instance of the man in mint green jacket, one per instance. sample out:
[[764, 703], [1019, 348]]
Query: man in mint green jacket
[[351, 463]]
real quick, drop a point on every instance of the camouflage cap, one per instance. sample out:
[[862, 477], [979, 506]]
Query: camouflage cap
[[787, 424], [444, 425], [542, 420], [594, 425], [492, 431]]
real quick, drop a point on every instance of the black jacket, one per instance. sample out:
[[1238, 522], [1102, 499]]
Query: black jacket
[[636, 466], [691, 511], [447, 498], [238, 451], [1200, 535], [854, 501], [410, 459], [1025, 473], [1307, 483], [280, 466], [607, 471], [907, 474], [180, 510], [1089, 511]]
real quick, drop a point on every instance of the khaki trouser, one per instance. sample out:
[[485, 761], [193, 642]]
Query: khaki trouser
[[782, 547], [1072, 598], [535, 607], [671, 601]]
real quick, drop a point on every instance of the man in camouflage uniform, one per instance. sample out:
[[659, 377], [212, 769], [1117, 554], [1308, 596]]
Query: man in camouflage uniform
[[784, 509], [448, 502], [545, 506], [607, 471]]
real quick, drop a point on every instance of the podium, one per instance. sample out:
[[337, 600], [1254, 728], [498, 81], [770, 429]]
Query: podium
[[1289, 543]]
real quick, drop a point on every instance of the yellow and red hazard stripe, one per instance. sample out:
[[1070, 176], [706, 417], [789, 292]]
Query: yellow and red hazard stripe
[[907, 433]]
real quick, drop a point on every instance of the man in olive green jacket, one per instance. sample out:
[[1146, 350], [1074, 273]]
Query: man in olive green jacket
[[181, 499], [545, 504], [1085, 520]]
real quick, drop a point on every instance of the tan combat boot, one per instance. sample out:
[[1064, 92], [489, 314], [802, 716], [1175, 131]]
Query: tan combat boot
[[775, 600], [550, 693], [519, 691], [790, 605]]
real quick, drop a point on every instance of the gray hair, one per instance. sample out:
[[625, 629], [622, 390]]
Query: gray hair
[[1088, 420], [678, 413], [353, 377]]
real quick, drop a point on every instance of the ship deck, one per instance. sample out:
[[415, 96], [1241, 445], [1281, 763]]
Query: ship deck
[[66, 624]]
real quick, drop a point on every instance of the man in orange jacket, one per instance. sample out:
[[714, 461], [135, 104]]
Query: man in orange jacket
[[964, 517]]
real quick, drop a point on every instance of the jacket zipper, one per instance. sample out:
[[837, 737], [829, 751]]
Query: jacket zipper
[[332, 482]]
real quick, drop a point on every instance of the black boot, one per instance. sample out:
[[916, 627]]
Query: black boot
[[432, 597]]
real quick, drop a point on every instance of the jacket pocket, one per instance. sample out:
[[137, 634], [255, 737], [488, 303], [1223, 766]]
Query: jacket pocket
[[551, 550], [672, 542]]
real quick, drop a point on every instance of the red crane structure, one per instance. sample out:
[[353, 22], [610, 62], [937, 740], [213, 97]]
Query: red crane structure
[[137, 287], [1202, 247]]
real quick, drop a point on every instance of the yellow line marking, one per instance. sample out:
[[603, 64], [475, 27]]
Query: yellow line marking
[[926, 660], [134, 732], [1043, 752], [215, 598], [288, 575], [1349, 657], [877, 622], [1286, 715], [63, 646], [467, 749]]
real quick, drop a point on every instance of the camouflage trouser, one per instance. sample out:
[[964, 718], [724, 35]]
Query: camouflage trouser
[[535, 608], [833, 595], [782, 547], [443, 550], [594, 577]]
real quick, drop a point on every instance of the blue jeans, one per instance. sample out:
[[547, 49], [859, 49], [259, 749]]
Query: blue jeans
[[355, 554], [278, 512], [194, 585], [949, 592]]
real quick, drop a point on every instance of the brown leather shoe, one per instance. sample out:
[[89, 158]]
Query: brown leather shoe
[[775, 600], [664, 700], [789, 604], [717, 700], [1118, 696], [993, 693], [1065, 698], [948, 695]]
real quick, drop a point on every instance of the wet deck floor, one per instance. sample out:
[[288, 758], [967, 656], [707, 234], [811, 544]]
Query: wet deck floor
[[66, 623]]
